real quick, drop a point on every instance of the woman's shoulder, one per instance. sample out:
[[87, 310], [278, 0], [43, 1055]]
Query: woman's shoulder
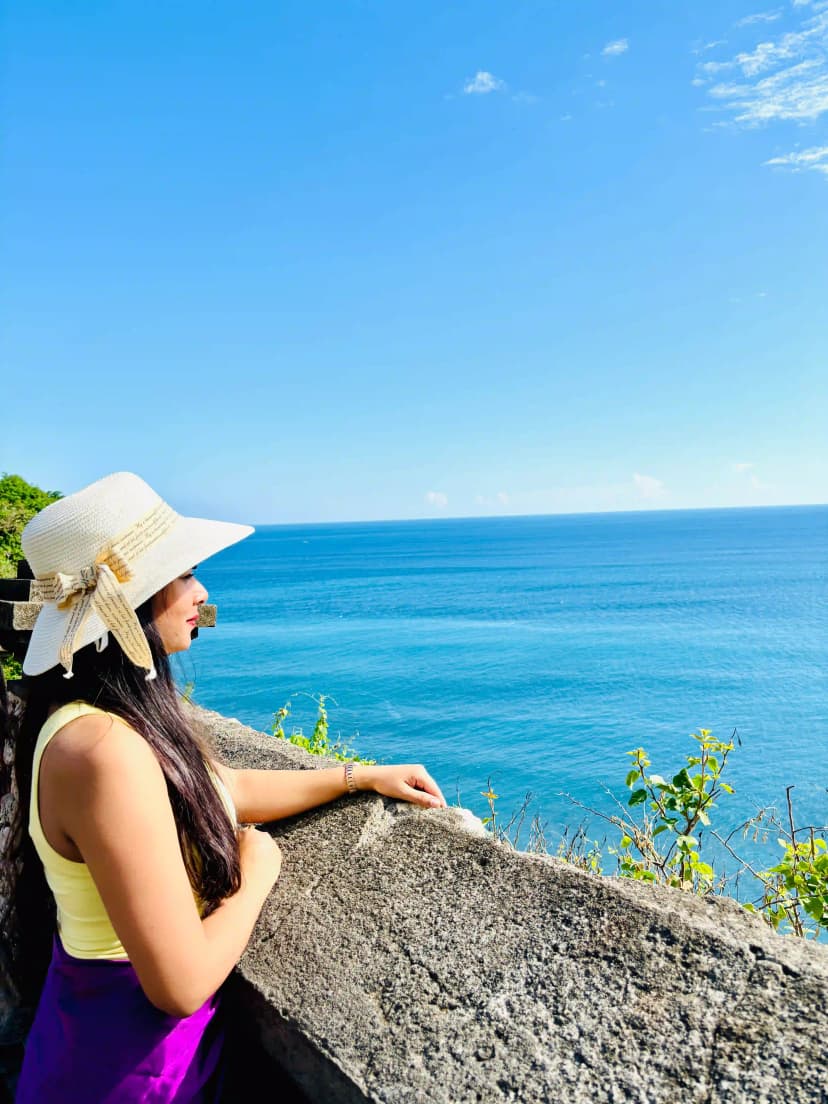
[[88, 741]]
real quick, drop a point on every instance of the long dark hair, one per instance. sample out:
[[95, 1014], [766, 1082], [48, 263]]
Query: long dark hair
[[110, 681]]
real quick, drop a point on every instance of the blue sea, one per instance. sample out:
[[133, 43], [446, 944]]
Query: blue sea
[[534, 652]]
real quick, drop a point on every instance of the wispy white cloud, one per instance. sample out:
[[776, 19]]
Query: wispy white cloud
[[760, 17], [618, 46], [790, 47], [489, 501], [649, 487], [699, 47], [813, 160], [709, 69], [482, 83], [782, 79], [743, 466], [437, 498], [799, 92]]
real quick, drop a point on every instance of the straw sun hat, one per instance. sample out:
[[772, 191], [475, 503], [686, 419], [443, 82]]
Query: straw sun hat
[[97, 555]]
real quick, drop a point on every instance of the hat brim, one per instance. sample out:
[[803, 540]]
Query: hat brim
[[190, 541]]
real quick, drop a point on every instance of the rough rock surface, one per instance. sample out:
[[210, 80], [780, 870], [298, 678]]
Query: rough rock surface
[[404, 957]]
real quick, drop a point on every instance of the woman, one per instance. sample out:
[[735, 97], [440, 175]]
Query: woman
[[155, 887]]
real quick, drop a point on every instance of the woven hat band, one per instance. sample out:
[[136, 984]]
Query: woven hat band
[[97, 587]]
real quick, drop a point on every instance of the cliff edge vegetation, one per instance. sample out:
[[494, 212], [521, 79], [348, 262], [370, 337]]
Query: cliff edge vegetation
[[19, 502]]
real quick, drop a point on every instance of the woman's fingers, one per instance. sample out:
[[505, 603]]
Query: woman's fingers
[[424, 782], [419, 787], [420, 797], [410, 783]]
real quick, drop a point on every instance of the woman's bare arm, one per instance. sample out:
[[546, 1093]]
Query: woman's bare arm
[[115, 808], [264, 795]]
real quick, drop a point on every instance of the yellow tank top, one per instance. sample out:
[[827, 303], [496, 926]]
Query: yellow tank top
[[83, 924]]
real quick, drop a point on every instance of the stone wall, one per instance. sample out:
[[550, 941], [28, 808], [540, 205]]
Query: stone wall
[[405, 957]]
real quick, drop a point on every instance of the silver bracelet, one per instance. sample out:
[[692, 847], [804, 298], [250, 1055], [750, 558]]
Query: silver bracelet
[[349, 778]]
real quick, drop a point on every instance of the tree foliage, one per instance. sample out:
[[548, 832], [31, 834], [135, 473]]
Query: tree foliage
[[19, 502]]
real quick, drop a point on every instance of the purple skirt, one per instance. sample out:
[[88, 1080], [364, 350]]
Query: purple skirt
[[97, 1039]]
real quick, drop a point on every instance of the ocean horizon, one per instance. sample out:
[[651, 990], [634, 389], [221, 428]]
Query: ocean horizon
[[532, 652], [649, 511]]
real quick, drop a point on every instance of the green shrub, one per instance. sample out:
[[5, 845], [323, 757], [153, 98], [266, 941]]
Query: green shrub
[[662, 841], [12, 668], [794, 897], [319, 742], [676, 811], [19, 502]]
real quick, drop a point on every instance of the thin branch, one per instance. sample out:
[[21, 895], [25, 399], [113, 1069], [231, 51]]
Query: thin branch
[[744, 863], [790, 813], [794, 852]]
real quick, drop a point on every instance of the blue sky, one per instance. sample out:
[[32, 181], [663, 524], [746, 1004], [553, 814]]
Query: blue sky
[[356, 260]]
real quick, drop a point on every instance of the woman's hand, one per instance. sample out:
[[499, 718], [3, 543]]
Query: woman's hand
[[403, 782], [260, 858]]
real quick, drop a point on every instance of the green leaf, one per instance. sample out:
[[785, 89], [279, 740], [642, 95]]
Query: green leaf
[[657, 780], [631, 777], [815, 910], [637, 797]]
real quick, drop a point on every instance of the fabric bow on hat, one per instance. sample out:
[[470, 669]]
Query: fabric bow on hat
[[98, 587]]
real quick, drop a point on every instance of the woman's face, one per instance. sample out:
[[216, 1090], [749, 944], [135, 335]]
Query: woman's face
[[175, 611]]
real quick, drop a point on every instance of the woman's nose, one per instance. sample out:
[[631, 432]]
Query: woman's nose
[[202, 594]]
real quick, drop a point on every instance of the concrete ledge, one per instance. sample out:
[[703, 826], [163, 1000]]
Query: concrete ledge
[[404, 957]]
